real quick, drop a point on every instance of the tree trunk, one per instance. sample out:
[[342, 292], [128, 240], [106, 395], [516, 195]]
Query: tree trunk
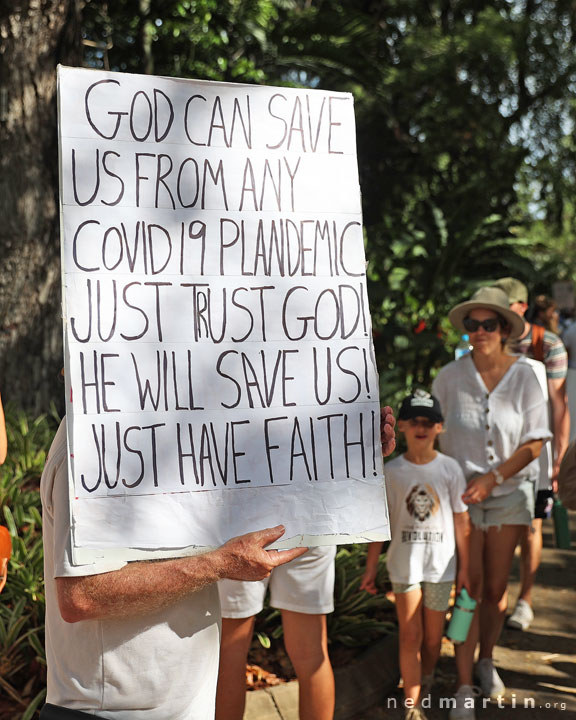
[[35, 35]]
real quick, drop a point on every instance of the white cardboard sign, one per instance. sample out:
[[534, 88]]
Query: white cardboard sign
[[219, 362]]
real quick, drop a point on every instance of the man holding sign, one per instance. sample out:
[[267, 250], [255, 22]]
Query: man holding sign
[[220, 374], [141, 639]]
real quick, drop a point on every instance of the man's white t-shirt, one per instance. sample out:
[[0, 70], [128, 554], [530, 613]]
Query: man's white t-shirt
[[153, 667], [421, 501]]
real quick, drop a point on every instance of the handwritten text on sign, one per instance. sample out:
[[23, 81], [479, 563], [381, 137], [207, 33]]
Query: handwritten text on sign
[[216, 314]]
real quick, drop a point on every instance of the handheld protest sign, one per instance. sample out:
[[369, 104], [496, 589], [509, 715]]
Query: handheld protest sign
[[5, 554], [218, 352]]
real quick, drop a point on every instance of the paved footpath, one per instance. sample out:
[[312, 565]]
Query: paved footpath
[[538, 666]]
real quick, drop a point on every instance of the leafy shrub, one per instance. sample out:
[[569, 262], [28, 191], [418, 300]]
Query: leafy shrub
[[22, 603], [358, 618]]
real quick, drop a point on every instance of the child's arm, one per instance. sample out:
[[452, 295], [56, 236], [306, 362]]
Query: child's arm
[[462, 535], [368, 579]]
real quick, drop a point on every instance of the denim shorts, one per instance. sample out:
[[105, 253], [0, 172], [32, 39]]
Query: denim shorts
[[435, 596], [515, 508]]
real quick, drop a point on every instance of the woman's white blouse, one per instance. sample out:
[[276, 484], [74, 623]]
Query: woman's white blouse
[[483, 429]]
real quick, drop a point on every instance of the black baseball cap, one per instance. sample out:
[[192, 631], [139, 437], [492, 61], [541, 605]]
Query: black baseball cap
[[421, 404]]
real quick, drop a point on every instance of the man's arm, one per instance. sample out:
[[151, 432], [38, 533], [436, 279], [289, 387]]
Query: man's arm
[[560, 420], [142, 588]]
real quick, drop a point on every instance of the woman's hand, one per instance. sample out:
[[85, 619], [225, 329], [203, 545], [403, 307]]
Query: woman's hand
[[479, 488]]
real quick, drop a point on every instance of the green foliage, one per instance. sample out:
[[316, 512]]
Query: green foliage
[[454, 102], [465, 117], [22, 603], [206, 39], [357, 619]]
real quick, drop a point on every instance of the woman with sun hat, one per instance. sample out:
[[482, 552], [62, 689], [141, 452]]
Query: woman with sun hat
[[496, 421]]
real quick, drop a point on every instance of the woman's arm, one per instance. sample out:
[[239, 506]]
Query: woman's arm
[[481, 487]]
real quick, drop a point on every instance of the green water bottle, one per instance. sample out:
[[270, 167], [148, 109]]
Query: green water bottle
[[462, 615], [561, 525]]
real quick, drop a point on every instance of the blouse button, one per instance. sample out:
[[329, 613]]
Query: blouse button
[[490, 442], [491, 457], [487, 410], [487, 427], [487, 396]]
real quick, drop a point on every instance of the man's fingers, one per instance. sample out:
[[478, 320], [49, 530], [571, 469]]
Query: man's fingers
[[389, 448], [387, 432], [284, 556], [387, 416], [268, 535]]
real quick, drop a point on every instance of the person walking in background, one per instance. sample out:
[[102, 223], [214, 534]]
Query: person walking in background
[[539, 343], [429, 521], [304, 594], [496, 421], [543, 312], [569, 340]]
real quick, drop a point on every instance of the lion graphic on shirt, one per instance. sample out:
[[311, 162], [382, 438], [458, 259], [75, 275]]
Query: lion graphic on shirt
[[422, 502]]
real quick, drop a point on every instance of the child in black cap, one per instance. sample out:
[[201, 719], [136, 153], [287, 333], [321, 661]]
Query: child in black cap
[[429, 522]]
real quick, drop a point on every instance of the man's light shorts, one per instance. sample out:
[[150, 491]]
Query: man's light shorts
[[304, 585]]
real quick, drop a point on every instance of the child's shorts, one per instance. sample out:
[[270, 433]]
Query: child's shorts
[[515, 508], [304, 585], [435, 596]]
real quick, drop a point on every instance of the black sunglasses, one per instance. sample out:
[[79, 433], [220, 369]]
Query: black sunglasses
[[490, 324], [415, 422]]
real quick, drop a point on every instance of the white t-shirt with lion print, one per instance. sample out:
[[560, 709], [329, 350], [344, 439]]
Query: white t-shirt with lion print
[[421, 503]]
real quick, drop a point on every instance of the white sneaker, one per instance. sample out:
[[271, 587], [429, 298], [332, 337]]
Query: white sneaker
[[490, 682], [465, 702], [522, 617]]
